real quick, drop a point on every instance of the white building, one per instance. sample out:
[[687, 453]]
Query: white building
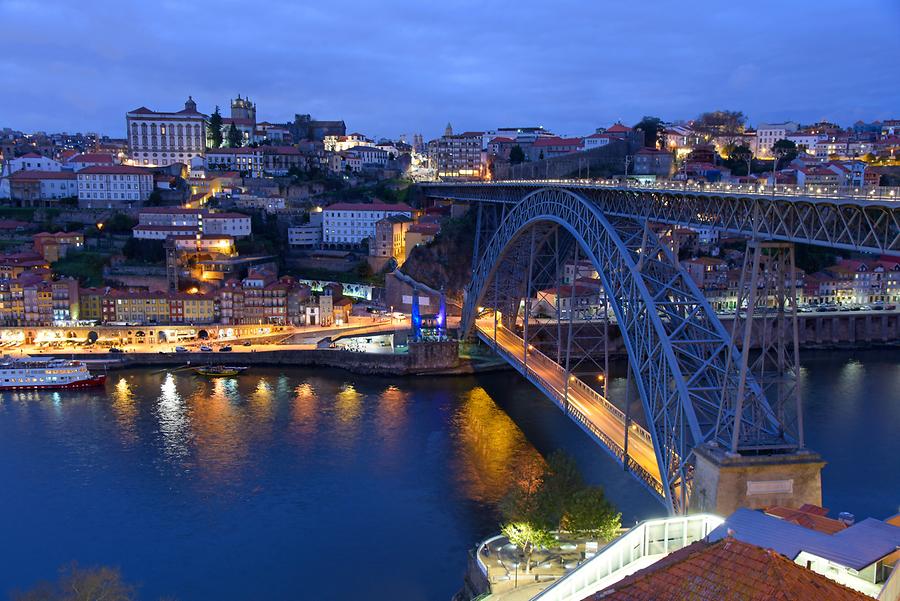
[[31, 162], [596, 141], [769, 133], [805, 140], [309, 234], [348, 223], [158, 223], [159, 139], [369, 156], [28, 185], [113, 186], [230, 224], [243, 159], [342, 143]]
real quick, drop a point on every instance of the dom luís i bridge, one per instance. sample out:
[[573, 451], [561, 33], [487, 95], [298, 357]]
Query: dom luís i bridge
[[717, 424]]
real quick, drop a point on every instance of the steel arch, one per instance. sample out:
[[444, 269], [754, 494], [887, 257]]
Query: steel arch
[[678, 349]]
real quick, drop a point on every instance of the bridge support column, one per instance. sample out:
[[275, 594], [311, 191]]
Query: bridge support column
[[724, 482]]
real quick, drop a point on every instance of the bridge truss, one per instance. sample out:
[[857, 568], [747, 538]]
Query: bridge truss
[[681, 357]]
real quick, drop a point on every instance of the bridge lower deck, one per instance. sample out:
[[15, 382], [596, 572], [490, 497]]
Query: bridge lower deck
[[595, 414]]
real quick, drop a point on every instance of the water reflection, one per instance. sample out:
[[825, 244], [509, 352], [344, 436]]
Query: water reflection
[[173, 419], [492, 452], [304, 413], [390, 418], [347, 408], [219, 435], [125, 409]]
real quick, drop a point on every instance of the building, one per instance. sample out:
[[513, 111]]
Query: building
[[32, 300], [349, 223], [650, 161], [90, 159], [390, 238], [707, 272], [53, 247], [547, 147], [369, 157], [458, 156], [31, 161], [308, 234], [256, 162], [191, 308], [204, 244], [342, 143], [769, 133], [420, 233], [113, 186], [163, 138], [725, 569], [158, 223], [32, 187], [305, 127]]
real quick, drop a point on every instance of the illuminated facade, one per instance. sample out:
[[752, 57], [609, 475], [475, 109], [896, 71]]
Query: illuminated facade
[[161, 138]]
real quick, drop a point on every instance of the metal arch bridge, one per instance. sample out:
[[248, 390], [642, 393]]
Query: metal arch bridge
[[684, 364]]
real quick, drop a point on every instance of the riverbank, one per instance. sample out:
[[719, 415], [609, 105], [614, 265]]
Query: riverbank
[[423, 358]]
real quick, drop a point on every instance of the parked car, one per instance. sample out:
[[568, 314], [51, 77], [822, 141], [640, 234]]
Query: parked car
[[225, 349], [180, 349], [205, 348], [113, 349], [247, 343]]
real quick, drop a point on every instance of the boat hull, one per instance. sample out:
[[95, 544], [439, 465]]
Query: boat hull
[[91, 382]]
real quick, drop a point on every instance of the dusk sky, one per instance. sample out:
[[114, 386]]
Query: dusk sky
[[388, 68]]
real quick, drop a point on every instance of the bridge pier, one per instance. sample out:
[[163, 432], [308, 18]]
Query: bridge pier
[[724, 482]]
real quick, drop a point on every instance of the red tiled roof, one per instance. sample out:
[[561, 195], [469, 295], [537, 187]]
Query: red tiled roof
[[554, 141], [115, 170], [171, 211], [227, 216], [618, 128], [39, 175], [93, 157], [424, 228], [372, 206], [808, 516], [164, 228], [31, 155], [727, 569], [501, 140]]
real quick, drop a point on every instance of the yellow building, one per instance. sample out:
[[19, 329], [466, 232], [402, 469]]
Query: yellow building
[[142, 307]]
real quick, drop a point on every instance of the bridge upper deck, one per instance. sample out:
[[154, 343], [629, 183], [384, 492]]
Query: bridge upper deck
[[862, 219]]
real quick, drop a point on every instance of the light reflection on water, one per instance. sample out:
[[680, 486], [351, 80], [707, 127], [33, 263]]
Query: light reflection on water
[[247, 478], [493, 452], [173, 419]]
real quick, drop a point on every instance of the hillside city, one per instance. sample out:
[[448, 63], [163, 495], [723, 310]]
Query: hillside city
[[200, 218]]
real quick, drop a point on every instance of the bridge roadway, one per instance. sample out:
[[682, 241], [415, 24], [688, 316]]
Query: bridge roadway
[[587, 407]]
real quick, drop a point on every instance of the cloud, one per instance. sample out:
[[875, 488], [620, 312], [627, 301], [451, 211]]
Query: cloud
[[402, 67]]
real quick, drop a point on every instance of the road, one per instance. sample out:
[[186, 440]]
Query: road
[[603, 416]]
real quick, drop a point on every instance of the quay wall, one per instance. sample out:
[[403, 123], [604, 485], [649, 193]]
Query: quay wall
[[422, 358]]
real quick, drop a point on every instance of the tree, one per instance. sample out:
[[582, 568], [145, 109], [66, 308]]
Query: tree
[[653, 130], [739, 156], [78, 584], [560, 482], [784, 149], [215, 129], [516, 155], [528, 537], [234, 137], [727, 125], [590, 515]]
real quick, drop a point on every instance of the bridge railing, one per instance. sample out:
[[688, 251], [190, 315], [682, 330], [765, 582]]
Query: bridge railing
[[559, 398], [888, 193]]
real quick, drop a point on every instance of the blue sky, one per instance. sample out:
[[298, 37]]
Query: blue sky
[[389, 67]]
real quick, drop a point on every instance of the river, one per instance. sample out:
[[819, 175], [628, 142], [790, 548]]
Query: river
[[301, 483]]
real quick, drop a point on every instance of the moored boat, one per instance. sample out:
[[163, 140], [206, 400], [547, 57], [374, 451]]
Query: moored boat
[[18, 373], [219, 371]]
